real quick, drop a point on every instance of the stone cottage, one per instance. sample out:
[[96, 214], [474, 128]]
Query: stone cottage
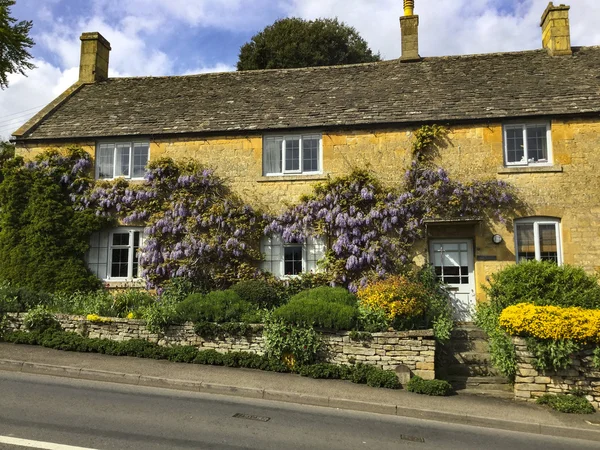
[[531, 118]]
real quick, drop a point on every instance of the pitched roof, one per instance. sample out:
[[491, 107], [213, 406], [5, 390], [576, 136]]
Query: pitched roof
[[442, 89]]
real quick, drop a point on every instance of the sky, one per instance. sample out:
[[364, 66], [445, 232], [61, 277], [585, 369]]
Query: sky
[[176, 37]]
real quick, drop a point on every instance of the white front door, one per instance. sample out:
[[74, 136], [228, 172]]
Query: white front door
[[453, 263]]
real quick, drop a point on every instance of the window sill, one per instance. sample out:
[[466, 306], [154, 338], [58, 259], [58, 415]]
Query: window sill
[[123, 284], [291, 177], [529, 169]]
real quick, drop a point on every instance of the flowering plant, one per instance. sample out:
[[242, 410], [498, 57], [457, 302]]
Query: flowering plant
[[395, 296]]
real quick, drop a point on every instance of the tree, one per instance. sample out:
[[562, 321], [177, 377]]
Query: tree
[[295, 42], [14, 42]]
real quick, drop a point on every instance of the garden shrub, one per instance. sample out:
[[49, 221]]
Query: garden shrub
[[323, 307], [14, 299], [552, 354], [294, 345], [439, 313], [429, 387], [39, 319], [567, 403], [257, 292], [131, 300], [551, 322], [43, 239], [98, 302], [596, 358], [216, 306], [397, 298], [159, 316], [543, 284]]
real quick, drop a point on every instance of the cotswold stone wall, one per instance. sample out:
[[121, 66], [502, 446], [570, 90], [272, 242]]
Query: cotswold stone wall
[[414, 350], [531, 383]]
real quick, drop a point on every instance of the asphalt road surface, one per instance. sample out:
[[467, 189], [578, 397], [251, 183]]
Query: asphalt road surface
[[54, 413]]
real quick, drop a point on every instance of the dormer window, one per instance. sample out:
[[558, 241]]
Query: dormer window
[[527, 144]]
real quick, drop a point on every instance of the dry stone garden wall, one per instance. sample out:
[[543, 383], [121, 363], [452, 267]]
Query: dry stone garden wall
[[400, 350], [531, 383]]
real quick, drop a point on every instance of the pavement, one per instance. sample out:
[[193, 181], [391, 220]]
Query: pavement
[[463, 409]]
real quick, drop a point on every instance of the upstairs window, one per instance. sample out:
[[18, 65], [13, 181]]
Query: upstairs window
[[282, 259], [114, 254], [538, 239], [292, 154], [527, 144], [121, 159]]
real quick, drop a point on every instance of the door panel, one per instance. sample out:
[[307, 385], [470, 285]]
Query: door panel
[[452, 260]]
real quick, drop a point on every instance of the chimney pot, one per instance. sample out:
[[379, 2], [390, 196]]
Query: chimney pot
[[93, 65], [556, 33]]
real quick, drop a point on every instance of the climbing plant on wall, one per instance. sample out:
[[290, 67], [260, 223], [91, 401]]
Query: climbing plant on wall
[[371, 229], [196, 227], [42, 237]]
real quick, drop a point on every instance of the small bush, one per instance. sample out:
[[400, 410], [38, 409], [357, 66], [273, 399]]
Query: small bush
[[383, 379], [159, 316], [323, 307], [216, 306], [398, 298], [40, 319], [552, 355], [14, 300], [295, 346], [324, 370], [567, 403], [257, 292], [131, 300], [98, 302], [429, 387]]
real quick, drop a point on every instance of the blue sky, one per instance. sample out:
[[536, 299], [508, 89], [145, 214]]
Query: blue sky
[[172, 37]]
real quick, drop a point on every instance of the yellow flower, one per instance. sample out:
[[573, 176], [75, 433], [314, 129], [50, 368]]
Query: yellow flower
[[396, 296]]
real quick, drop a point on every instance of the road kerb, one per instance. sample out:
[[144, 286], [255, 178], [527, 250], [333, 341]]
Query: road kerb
[[50, 369], [294, 397], [356, 405], [224, 389], [168, 383], [112, 377], [10, 365]]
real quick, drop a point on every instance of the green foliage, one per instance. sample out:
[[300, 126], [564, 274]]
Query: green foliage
[[14, 44], [43, 239], [552, 355], [596, 358], [322, 307], [216, 306], [82, 303], [210, 330], [14, 300], [39, 318], [429, 387], [372, 320], [283, 340], [159, 316], [61, 340], [294, 42], [566, 403], [363, 336], [539, 283], [438, 314], [257, 292], [544, 284], [502, 350]]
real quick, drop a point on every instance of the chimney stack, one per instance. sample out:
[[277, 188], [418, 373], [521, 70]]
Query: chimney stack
[[556, 34], [409, 29], [93, 65]]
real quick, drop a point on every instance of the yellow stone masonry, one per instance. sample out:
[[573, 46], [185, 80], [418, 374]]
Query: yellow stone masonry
[[569, 190]]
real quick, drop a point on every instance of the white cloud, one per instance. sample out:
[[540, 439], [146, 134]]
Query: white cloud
[[220, 67], [450, 27]]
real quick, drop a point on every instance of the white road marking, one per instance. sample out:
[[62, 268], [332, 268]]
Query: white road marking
[[38, 444]]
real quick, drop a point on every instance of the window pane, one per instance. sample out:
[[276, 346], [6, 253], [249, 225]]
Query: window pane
[[548, 247], [525, 242], [293, 260], [310, 155], [122, 163], [119, 264], [120, 239], [514, 145], [272, 155], [136, 246], [104, 160], [140, 159], [536, 144], [292, 154]]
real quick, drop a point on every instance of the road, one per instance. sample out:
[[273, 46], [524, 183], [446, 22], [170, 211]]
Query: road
[[96, 415]]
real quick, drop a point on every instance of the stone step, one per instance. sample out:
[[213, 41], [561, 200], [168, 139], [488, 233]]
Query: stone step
[[464, 345], [471, 370], [487, 383], [473, 333], [477, 358]]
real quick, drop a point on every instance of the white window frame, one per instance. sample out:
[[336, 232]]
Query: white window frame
[[305, 255], [537, 221], [300, 171], [122, 230], [115, 145], [524, 126]]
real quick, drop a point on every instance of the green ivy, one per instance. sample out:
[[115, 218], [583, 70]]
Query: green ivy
[[552, 355]]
